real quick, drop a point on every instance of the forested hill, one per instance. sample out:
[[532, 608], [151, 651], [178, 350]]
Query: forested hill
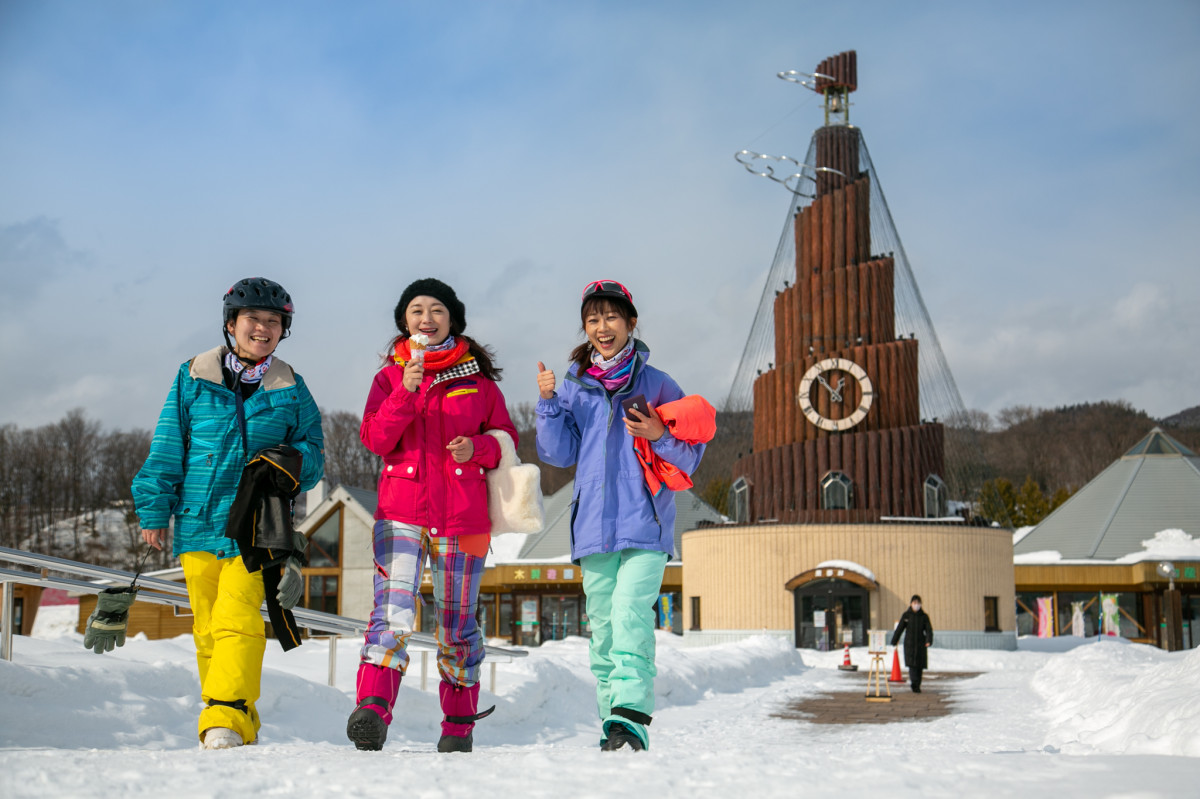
[[55, 480], [1068, 446]]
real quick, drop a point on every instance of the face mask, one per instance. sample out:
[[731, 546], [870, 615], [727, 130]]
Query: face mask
[[916, 606]]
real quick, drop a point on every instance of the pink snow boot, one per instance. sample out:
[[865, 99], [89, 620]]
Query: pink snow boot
[[459, 704], [377, 690]]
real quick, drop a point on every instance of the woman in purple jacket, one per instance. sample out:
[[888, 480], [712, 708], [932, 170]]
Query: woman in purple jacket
[[427, 417], [621, 535]]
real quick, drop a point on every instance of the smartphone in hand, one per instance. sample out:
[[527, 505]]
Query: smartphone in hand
[[638, 402]]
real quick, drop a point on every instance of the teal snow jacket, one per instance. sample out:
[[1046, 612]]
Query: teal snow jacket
[[197, 454]]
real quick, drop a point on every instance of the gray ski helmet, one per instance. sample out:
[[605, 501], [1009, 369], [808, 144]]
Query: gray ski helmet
[[260, 293]]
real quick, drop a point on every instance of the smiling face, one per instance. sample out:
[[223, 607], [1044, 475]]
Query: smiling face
[[255, 333], [607, 326], [429, 316]]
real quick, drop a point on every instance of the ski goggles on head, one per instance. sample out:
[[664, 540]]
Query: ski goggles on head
[[611, 289]]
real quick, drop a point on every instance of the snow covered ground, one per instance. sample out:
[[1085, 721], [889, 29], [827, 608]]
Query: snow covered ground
[[1102, 719]]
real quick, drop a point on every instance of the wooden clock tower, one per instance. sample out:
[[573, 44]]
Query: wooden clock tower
[[838, 433]]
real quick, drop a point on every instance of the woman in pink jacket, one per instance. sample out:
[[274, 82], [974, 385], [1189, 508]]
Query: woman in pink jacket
[[427, 416]]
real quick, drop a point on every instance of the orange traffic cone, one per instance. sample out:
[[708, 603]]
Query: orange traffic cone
[[895, 667], [846, 664]]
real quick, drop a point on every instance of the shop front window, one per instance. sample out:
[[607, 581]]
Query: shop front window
[[505, 628], [485, 615], [527, 621], [669, 612]]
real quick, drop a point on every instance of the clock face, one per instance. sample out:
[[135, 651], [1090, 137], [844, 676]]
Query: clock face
[[822, 373]]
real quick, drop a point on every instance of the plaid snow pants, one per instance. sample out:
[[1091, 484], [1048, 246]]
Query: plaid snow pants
[[400, 552]]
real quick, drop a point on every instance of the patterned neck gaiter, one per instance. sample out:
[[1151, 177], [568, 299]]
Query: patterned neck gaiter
[[248, 374]]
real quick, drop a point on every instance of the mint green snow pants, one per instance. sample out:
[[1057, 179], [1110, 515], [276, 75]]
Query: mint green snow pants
[[621, 589]]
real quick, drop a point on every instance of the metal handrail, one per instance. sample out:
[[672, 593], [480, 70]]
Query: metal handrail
[[168, 592]]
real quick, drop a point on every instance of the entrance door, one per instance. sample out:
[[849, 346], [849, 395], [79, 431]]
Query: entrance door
[[824, 608], [560, 616]]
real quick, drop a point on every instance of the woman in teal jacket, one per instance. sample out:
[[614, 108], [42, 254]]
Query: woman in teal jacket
[[226, 405]]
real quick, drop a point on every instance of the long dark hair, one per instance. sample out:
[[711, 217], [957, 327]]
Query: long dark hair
[[581, 356], [484, 356]]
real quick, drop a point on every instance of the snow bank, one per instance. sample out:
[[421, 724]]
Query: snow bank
[[1113, 697]]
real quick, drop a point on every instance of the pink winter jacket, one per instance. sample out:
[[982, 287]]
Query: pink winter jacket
[[421, 484]]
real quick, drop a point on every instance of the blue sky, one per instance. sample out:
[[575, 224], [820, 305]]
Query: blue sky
[[1039, 160]]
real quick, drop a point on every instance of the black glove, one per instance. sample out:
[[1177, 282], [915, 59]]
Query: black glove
[[106, 626]]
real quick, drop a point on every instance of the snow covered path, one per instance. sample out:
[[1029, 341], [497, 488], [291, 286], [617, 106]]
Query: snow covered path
[[1102, 720]]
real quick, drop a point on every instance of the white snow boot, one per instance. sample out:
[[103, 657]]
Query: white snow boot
[[220, 738]]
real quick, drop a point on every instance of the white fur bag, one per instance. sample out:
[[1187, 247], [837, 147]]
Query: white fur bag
[[514, 491]]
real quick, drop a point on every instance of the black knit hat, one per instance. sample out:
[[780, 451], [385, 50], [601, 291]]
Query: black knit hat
[[432, 287], [916, 598]]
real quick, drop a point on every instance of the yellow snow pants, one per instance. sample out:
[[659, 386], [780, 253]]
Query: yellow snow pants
[[230, 638]]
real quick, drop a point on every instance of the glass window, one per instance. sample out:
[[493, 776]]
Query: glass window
[[323, 593], [669, 612], [837, 492], [505, 627], [1027, 611], [485, 616], [1078, 613], [739, 500], [991, 614], [1191, 622], [695, 613], [324, 542], [935, 497], [527, 620], [428, 614]]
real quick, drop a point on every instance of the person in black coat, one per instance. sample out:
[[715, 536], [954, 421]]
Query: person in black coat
[[920, 631]]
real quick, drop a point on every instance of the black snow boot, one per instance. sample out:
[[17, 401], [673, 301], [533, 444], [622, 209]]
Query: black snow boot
[[365, 728], [621, 737], [453, 743]]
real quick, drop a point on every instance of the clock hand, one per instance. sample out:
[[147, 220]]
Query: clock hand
[[834, 393]]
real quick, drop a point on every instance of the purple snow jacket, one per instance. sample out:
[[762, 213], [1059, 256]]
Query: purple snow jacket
[[612, 508]]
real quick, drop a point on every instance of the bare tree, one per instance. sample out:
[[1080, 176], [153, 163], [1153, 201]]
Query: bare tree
[[347, 461]]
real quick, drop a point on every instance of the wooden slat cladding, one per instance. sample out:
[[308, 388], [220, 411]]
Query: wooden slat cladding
[[837, 148], [840, 306], [888, 468], [952, 567], [842, 68]]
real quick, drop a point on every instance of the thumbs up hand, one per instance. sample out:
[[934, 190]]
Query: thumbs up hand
[[546, 381]]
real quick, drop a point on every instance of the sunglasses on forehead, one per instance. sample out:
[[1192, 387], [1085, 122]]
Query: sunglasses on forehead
[[606, 287]]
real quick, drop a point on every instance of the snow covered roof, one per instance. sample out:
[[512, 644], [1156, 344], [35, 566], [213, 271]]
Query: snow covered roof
[[1163, 545], [553, 543], [1155, 486]]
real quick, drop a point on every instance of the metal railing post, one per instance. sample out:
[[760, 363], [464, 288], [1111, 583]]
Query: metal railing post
[[10, 613], [333, 639]]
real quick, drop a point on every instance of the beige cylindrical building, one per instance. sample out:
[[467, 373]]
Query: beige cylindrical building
[[741, 580]]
